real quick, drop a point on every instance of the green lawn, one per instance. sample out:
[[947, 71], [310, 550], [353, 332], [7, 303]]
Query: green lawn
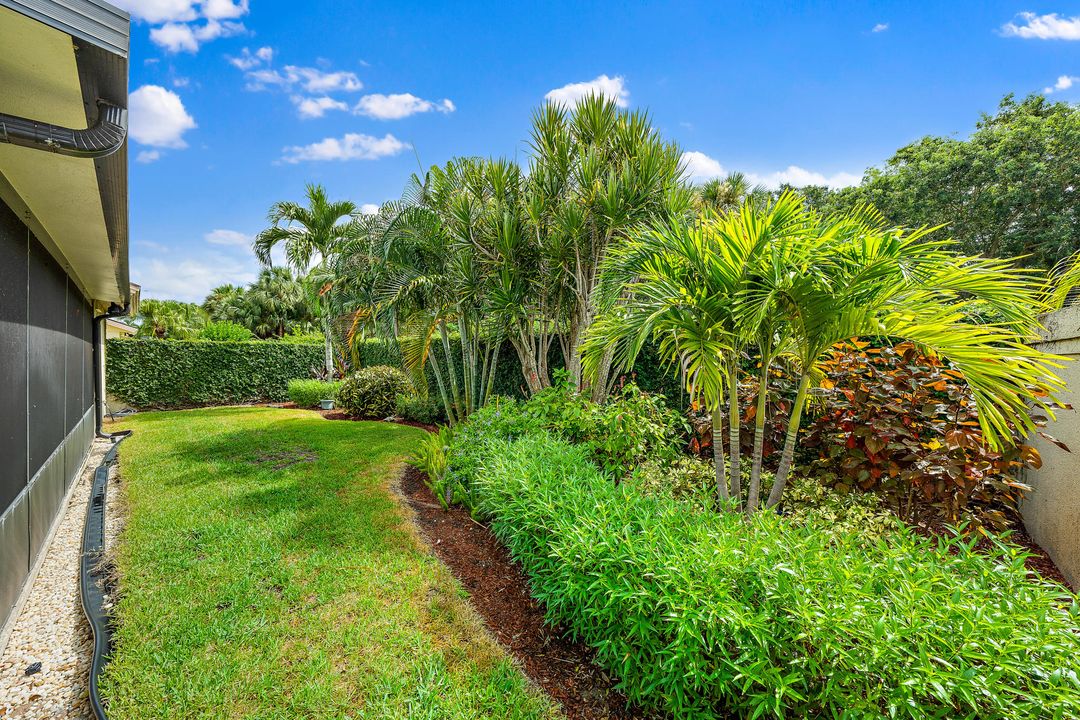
[[268, 572]]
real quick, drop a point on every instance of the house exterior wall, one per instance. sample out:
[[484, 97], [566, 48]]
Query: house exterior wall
[[1052, 508], [46, 397]]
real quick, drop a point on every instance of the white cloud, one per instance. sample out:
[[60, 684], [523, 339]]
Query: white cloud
[[700, 167], [249, 60], [880, 27], [801, 177], [353, 146], [192, 278], [611, 87], [310, 79], [181, 82], [228, 237], [1043, 27], [401, 105], [369, 209], [1064, 82], [158, 117], [148, 156], [224, 9], [159, 11], [186, 37], [316, 107]]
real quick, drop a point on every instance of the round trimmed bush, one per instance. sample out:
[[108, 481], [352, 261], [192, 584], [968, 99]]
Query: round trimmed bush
[[373, 391]]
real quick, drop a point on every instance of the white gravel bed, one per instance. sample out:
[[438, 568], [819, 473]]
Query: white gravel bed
[[51, 628]]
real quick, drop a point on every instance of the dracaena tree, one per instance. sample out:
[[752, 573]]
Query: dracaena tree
[[783, 282], [596, 173]]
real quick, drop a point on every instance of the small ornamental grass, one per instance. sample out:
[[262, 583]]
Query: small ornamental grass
[[714, 614], [309, 393]]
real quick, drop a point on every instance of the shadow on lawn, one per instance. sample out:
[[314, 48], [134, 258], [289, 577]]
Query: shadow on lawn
[[324, 482]]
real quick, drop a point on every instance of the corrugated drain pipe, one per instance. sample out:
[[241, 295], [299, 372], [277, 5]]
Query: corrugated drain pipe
[[104, 138]]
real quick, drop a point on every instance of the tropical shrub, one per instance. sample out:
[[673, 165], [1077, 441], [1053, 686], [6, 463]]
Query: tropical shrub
[[186, 373], [373, 391], [224, 332], [899, 422], [432, 458], [309, 393], [716, 614], [417, 408]]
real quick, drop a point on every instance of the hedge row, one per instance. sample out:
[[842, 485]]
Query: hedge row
[[184, 373], [712, 615]]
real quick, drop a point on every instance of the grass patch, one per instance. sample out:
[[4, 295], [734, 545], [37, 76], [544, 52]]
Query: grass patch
[[267, 572]]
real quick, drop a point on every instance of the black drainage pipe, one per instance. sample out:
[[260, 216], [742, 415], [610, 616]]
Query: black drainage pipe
[[92, 574], [104, 138]]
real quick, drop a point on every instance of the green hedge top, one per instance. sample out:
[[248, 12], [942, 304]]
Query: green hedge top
[[185, 373]]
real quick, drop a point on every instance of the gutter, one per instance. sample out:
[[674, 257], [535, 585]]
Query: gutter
[[99, 368], [103, 139]]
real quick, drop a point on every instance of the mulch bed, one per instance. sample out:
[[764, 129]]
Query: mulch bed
[[500, 593]]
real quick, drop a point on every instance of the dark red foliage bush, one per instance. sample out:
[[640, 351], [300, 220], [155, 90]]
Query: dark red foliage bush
[[892, 420]]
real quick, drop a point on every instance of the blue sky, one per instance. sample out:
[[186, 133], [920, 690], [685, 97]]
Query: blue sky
[[238, 103]]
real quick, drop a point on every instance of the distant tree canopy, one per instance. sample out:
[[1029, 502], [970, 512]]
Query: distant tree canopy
[[1009, 189], [273, 306]]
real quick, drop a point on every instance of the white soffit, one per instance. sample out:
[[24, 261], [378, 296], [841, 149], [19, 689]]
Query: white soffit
[[39, 80]]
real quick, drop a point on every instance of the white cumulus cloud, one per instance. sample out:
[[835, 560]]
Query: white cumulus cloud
[[159, 11], [316, 107], [1043, 27], [148, 156], [228, 237], [158, 117], [369, 209], [880, 27], [249, 60], [352, 146], [309, 79], [1064, 82], [700, 167], [186, 37], [611, 87], [190, 279], [397, 106]]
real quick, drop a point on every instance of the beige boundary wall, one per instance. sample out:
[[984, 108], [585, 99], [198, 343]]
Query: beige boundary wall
[[1052, 509]]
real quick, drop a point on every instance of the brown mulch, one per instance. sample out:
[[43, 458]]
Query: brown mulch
[[500, 593]]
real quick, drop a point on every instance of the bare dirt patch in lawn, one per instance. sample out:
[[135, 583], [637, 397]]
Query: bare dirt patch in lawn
[[500, 593]]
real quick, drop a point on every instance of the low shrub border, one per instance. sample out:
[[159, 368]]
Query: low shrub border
[[186, 373], [704, 613], [309, 393]]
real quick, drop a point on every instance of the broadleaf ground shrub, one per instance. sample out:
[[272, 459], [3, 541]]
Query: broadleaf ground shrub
[[704, 614], [417, 408], [372, 391], [309, 393]]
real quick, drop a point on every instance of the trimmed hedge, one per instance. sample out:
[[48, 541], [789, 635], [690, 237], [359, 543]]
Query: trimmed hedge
[[311, 393], [712, 615], [185, 373]]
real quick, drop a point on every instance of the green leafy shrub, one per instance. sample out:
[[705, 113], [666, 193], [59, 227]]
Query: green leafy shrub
[[188, 373], [716, 614], [373, 391], [224, 332], [309, 393], [432, 457], [418, 409]]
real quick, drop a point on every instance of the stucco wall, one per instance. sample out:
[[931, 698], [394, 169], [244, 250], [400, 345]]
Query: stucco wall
[[1052, 509]]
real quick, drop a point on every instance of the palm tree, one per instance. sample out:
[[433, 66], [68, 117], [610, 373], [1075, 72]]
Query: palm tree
[[275, 304], [318, 231], [596, 174], [224, 303], [728, 194], [806, 283], [169, 319]]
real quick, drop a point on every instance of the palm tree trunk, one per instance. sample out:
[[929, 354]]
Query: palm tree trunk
[[329, 349], [734, 426], [718, 451], [782, 472], [447, 405], [759, 438], [451, 369]]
